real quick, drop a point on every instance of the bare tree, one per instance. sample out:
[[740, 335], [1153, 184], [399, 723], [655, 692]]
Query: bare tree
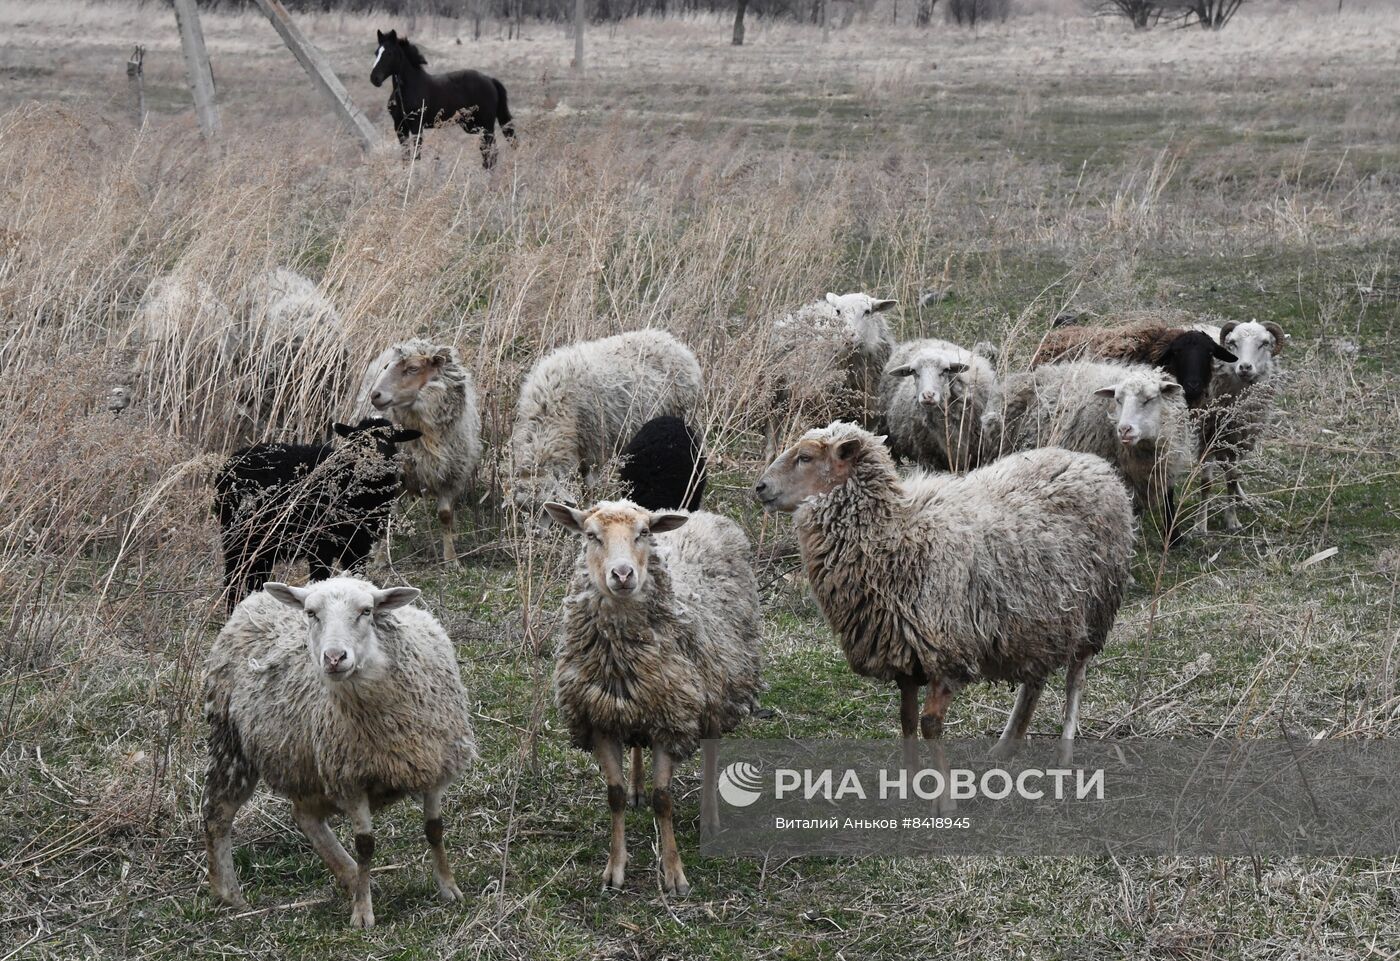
[[739, 23], [924, 12], [1143, 13], [1210, 14], [969, 13]]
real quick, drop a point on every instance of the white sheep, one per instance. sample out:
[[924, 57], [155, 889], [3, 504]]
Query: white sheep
[[660, 648], [178, 324], [580, 404], [829, 356], [933, 396], [344, 700], [1238, 408], [1132, 415], [1008, 573], [423, 385]]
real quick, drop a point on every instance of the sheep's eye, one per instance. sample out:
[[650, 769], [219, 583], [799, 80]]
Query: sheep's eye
[[643, 533], [311, 615], [366, 612], [592, 536], [804, 458]]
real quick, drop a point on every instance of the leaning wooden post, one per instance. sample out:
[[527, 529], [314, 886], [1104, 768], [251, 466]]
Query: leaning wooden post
[[316, 65], [197, 63], [136, 83], [578, 36]]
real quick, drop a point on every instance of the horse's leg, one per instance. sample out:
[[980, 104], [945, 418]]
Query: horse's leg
[[488, 148]]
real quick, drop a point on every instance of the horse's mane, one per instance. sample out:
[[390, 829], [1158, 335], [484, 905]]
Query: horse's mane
[[414, 54]]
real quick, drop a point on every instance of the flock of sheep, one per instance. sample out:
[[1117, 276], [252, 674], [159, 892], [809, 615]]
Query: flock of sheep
[[1003, 553]]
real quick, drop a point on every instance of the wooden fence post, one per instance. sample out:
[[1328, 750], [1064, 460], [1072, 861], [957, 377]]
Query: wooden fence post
[[197, 63], [136, 83], [319, 69], [578, 36]]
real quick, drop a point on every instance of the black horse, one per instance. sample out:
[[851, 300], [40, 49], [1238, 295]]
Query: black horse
[[421, 100]]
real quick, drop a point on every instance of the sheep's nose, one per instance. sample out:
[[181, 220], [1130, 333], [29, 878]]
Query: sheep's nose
[[375, 397], [1245, 368], [760, 487], [623, 574], [333, 657], [928, 398]]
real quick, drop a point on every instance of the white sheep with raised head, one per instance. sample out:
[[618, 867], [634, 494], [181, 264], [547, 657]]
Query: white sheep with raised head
[[828, 357], [344, 699], [1132, 415], [933, 396], [1238, 408], [661, 648], [579, 406], [423, 385]]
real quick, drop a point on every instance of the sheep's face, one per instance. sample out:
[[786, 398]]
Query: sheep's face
[[1137, 408], [404, 379], [376, 433], [936, 378], [341, 613], [816, 465], [854, 313], [1191, 359], [532, 489], [617, 541], [1255, 346]]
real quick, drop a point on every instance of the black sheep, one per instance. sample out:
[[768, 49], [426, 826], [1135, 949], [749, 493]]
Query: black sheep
[[662, 464], [325, 502]]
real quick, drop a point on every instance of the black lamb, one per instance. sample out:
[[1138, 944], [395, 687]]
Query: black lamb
[[664, 466], [325, 502]]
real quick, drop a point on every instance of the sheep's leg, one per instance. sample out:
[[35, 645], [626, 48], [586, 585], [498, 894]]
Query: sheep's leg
[[672, 873], [1203, 511], [709, 800], [639, 779], [444, 514], [327, 845], [609, 755], [940, 695], [229, 782], [362, 908], [1016, 725], [432, 829], [909, 718], [1234, 496], [1074, 690], [1172, 532]]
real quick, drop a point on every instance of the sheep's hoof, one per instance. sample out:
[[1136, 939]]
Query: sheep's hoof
[[1004, 750], [612, 875], [943, 805], [674, 882], [449, 892], [362, 916], [639, 799], [1064, 755]]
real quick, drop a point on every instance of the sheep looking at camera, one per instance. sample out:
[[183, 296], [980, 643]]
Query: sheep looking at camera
[[1188, 355], [580, 404], [661, 647], [327, 503], [1240, 407], [932, 400], [423, 386], [1008, 573], [828, 357], [344, 700], [1129, 414]]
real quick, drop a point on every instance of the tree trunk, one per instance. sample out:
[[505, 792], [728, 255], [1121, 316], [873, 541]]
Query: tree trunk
[[578, 36], [924, 13], [739, 22]]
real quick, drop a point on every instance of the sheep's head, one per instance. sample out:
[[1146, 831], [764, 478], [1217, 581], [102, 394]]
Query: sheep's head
[[1255, 346], [854, 313], [532, 488], [1190, 358], [936, 376], [821, 461], [417, 365], [377, 432], [1137, 408], [617, 541], [342, 622]]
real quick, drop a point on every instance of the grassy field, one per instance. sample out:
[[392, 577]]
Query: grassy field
[[1052, 162]]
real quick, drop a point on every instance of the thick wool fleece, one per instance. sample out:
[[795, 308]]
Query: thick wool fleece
[[826, 369], [1002, 574], [676, 664], [444, 460], [1056, 406], [581, 403], [1141, 342], [943, 436], [320, 742]]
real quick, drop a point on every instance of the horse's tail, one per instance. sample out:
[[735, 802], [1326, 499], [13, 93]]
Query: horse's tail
[[503, 116]]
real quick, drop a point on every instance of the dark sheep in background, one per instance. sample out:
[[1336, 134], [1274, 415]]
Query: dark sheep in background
[[664, 466], [325, 502], [1188, 355]]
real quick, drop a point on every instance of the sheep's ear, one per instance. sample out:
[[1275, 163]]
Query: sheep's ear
[[848, 449], [1278, 334], [879, 306], [832, 299], [1106, 391], [903, 370], [442, 356], [404, 435], [291, 596], [1170, 387], [1223, 353], [957, 367], [663, 521], [565, 516], [392, 598]]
